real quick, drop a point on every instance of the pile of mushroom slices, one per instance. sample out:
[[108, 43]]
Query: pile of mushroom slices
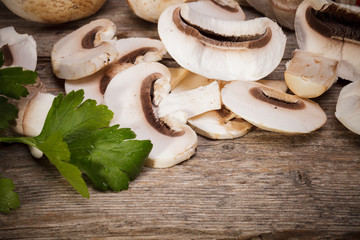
[[328, 36], [215, 41], [124, 75]]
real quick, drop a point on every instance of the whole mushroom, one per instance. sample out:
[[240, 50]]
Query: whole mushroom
[[55, 11]]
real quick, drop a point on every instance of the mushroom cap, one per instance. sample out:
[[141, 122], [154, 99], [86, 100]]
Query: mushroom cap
[[251, 49], [309, 75], [85, 50], [348, 106], [150, 10], [129, 96], [331, 30], [19, 49], [58, 11], [272, 110]]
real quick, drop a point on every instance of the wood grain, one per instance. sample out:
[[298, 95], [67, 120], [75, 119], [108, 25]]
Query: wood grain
[[264, 185]]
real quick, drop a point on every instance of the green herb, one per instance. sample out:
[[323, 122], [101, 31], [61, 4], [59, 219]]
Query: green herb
[[8, 112], [8, 198], [76, 138]]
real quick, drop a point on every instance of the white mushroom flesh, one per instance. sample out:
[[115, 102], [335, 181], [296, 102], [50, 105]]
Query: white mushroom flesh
[[272, 110], [309, 75], [19, 49], [331, 30], [85, 50], [252, 50], [348, 107]]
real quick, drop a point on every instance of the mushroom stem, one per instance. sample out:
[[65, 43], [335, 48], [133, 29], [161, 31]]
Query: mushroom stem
[[192, 102]]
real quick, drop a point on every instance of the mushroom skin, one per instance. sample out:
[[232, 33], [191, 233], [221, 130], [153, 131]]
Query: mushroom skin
[[150, 10], [272, 110], [129, 96], [85, 50], [19, 49], [331, 30], [54, 12], [245, 50], [348, 107]]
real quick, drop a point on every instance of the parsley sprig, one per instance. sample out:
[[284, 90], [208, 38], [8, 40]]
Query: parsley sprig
[[76, 138]]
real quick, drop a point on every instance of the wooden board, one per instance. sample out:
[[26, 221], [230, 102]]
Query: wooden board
[[264, 185]]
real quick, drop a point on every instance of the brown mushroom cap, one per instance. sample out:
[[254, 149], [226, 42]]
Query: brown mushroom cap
[[56, 11]]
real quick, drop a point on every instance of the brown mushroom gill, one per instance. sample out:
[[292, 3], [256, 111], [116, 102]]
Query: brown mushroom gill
[[89, 38], [212, 38], [146, 95], [128, 58], [334, 22], [278, 100], [8, 57]]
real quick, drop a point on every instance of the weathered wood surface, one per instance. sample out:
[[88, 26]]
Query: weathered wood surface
[[262, 186]]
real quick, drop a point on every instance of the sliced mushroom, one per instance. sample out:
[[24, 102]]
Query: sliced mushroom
[[177, 75], [244, 50], [331, 30], [85, 50], [309, 75], [131, 51], [19, 50], [348, 107], [32, 113], [281, 10], [214, 124], [279, 85], [272, 110], [134, 95], [58, 11]]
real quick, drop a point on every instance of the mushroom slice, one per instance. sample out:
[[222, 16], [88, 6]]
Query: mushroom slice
[[348, 107], [19, 49], [150, 10], [131, 51], [244, 50], [32, 113], [212, 15], [94, 86], [331, 30], [85, 50], [59, 11], [309, 75], [135, 50], [281, 10], [131, 95], [279, 85], [215, 124], [177, 75], [272, 110]]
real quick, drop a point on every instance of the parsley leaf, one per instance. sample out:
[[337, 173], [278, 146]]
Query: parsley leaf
[[76, 138], [117, 161], [12, 79], [8, 198], [8, 112]]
